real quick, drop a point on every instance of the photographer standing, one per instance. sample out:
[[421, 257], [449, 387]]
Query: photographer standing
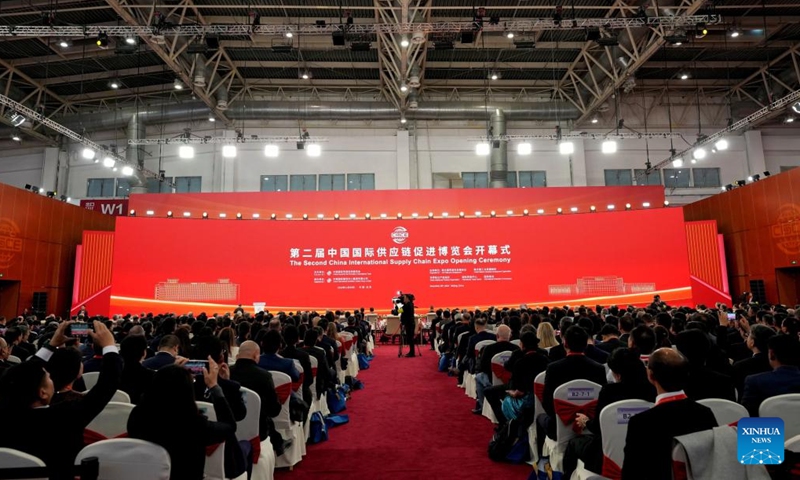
[[408, 320]]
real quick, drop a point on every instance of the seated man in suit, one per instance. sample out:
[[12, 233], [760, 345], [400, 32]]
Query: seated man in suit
[[643, 341], [757, 342], [167, 354], [247, 372], [270, 360], [324, 374], [610, 336], [648, 444], [703, 382], [5, 351], [468, 360], [784, 358], [574, 366], [483, 378], [290, 337]]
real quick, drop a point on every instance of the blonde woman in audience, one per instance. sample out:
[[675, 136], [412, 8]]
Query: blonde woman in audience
[[546, 335]]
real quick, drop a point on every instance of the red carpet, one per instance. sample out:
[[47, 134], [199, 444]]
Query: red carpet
[[409, 422]]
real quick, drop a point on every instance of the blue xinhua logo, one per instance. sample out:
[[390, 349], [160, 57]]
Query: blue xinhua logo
[[760, 441]]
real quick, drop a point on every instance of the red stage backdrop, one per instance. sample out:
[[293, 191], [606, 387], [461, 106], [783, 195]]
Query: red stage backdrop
[[182, 265]]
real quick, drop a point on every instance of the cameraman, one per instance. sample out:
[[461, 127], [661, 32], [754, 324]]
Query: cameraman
[[408, 320]]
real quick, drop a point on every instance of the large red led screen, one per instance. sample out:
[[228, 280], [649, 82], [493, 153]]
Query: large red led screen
[[209, 265]]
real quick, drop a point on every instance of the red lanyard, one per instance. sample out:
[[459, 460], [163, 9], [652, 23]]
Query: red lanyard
[[673, 398]]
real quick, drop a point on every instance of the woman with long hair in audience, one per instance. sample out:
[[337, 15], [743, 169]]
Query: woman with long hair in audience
[[546, 336], [228, 338], [185, 348], [662, 337], [168, 416]]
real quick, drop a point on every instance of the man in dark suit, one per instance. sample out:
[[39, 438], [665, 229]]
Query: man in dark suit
[[610, 339], [784, 357], [54, 433], [290, 337], [17, 340], [757, 343], [702, 382], [167, 353], [4, 353], [324, 374], [558, 352], [270, 360], [574, 366], [247, 373], [483, 372], [648, 445], [643, 341]]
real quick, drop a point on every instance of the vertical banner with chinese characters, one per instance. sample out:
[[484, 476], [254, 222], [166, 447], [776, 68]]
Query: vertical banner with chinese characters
[[360, 263]]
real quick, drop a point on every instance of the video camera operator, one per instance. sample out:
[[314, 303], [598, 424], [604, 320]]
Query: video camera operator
[[408, 320]]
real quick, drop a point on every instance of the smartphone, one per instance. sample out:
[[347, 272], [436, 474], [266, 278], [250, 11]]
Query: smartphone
[[731, 317], [79, 329], [196, 366]]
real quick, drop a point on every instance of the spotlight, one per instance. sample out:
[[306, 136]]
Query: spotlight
[[414, 215], [403, 87], [149, 213], [646, 204], [187, 214], [367, 216], [305, 75], [383, 215], [289, 34], [684, 76], [509, 213], [699, 153], [727, 187], [130, 40], [492, 214], [102, 40], [403, 119], [677, 162], [336, 216], [509, 35], [132, 213], [483, 149], [461, 214], [109, 162], [64, 43], [609, 146], [223, 215], [177, 84], [305, 216], [721, 144], [313, 150], [186, 151], [796, 107], [169, 214], [566, 148], [627, 206], [15, 136], [540, 211], [41, 190], [701, 31], [229, 151], [399, 216], [211, 118], [766, 174], [238, 216], [320, 216], [594, 120], [430, 214], [524, 148], [88, 153], [610, 207], [525, 212], [273, 216], [127, 170], [666, 203], [559, 211], [205, 214], [592, 209], [735, 33], [573, 209], [16, 119], [478, 213], [494, 76], [114, 84], [404, 42], [445, 214], [256, 215], [271, 151], [789, 120], [750, 179]]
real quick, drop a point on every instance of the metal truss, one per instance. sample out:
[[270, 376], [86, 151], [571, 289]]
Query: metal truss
[[398, 27], [770, 111], [225, 140], [577, 136], [99, 149], [767, 80], [602, 73]]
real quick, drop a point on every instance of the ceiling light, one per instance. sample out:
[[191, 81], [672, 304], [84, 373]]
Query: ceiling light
[[609, 146], [483, 149], [211, 118], [646, 204], [114, 84], [403, 87], [403, 120], [64, 43], [684, 76], [524, 148], [16, 118], [187, 214], [16, 137], [494, 76], [229, 151], [88, 153], [130, 40], [305, 75], [109, 162], [127, 170], [150, 213], [102, 40], [610, 207], [313, 150], [594, 120], [735, 32], [271, 151], [699, 153], [540, 211], [478, 213], [404, 42], [186, 151], [677, 162], [721, 144], [177, 84], [509, 35], [789, 119], [573, 209], [289, 34], [320, 216], [566, 148]]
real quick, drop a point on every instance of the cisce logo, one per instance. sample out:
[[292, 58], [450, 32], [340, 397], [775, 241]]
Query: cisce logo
[[760, 441]]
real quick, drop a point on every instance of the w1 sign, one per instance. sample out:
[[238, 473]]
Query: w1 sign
[[117, 208]]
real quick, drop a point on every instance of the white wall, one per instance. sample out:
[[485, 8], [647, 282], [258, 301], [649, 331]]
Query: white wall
[[433, 157]]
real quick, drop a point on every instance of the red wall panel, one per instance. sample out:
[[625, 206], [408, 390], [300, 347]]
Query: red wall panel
[[704, 255]]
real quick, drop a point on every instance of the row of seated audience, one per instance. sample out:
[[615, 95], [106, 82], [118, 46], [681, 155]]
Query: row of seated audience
[[46, 407], [670, 356]]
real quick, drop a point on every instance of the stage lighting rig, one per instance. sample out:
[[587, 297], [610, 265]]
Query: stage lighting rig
[[102, 40]]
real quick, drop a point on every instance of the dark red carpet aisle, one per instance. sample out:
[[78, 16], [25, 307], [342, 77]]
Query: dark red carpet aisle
[[410, 422]]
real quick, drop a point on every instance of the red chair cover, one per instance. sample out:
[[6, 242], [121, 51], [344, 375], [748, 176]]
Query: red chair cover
[[567, 411], [611, 469], [299, 383], [314, 372], [679, 471], [90, 436], [538, 390], [211, 449], [255, 451], [283, 392], [734, 423], [501, 373]]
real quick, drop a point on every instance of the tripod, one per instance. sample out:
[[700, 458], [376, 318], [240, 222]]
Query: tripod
[[414, 349]]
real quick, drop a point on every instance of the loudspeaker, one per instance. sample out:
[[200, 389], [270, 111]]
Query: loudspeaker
[[758, 291], [40, 303], [338, 39]]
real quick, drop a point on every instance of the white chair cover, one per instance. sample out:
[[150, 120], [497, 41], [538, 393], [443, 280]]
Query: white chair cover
[[537, 410], [517, 342], [314, 400], [128, 459], [214, 468], [283, 424], [13, 359], [338, 363], [110, 423], [614, 425], [90, 379], [793, 444], [786, 407], [725, 411], [247, 430], [469, 385], [579, 392], [479, 346], [498, 361], [121, 397], [10, 458]]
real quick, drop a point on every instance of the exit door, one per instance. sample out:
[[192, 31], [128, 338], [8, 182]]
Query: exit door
[[9, 298]]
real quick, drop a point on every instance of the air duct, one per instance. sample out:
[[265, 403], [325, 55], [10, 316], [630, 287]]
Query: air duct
[[498, 168], [199, 71], [222, 98], [286, 110], [134, 154]]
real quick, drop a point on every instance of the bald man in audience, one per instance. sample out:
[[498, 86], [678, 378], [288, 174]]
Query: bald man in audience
[[648, 445], [5, 351], [483, 377]]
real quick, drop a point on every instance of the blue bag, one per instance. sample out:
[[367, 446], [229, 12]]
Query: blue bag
[[336, 420], [444, 362], [319, 429], [337, 400], [363, 362], [521, 451]]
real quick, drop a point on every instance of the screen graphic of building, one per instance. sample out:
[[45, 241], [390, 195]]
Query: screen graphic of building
[[596, 286], [176, 291]]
